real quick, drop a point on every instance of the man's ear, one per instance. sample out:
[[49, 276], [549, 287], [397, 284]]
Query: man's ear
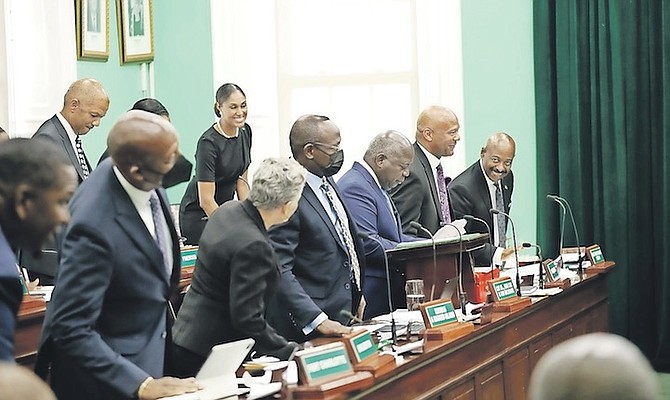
[[427, 134], [308, 151], [23, 196], [379, 159]]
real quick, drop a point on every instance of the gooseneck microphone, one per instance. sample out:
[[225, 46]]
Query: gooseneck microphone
[[560, 203], [539, 255], [420, 227], [462, 297], [352, 317], [364, 236], [516, 255], [472, 218], [580, 257]]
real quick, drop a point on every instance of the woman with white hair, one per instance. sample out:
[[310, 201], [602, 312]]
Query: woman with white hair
[[236, 272]]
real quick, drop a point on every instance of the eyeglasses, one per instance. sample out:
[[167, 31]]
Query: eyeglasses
[[330, 146]]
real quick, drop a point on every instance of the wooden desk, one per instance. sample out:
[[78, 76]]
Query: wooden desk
[[496, 360]]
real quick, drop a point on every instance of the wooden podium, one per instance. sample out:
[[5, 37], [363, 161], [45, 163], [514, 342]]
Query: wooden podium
[[416, 258]]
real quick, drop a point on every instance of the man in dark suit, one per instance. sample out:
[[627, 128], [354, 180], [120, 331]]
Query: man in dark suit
[[487, 184], [423, 196], [385, 165], [321, 258], [36, 182], [106, 328], [85, 104]]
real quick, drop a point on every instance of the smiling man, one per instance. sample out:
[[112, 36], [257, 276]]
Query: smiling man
[[364, 190], [487, 184]]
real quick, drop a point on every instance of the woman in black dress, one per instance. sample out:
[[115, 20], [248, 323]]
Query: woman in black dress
[[222, 159]]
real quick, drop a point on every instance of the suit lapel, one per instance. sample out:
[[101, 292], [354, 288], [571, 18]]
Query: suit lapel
[[67, 145], [418, 152], [314, 202], [130, 221], [381, 197]]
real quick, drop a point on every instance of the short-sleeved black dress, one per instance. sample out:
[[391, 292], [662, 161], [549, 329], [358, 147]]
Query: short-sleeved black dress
[[218, 159]]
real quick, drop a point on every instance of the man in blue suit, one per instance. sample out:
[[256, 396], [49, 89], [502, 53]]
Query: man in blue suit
[[106, 328], [385, 165], [36, 182], [321, 258]]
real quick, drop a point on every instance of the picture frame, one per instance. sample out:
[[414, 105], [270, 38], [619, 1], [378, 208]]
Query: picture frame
[[135, 28], [92, 25]]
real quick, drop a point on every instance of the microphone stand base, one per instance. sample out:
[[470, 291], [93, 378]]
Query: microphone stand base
[[511, 305], [560, 283], [447, 333]]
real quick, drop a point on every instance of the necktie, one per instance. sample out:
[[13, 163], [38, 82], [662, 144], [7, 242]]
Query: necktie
[[501, 222], [159, 230], [81, 157], [343, 231], [442, 191]]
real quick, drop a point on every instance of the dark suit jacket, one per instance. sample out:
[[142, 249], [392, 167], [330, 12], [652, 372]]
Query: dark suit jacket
[[417, 198], [370, 209], [10, 299], [469, 195], [235, 278], [53, 130], [314, 268], [105, 327]]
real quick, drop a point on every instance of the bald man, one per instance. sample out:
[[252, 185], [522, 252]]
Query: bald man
[[596, 366], [423, 196], [106, 329], [364, 189], [487, 184], [17, 382], [85, 103]]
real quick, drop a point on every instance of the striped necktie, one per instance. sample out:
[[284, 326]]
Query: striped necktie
[[501, 221], [442, 191], [81, 156], [159, 230]]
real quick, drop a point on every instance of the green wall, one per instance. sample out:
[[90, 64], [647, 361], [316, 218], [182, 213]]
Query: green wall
[[182, 72], [498, 83]]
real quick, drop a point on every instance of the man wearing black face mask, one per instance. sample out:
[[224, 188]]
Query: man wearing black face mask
[[321, 258]]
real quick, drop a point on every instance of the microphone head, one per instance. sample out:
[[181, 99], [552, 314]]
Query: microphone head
[[363, 235], [526, 244], [416, 225], [494, 211]]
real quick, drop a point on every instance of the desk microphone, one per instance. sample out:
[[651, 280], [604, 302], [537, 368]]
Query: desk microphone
[[420, 227], [472, 218], [560, 203], [364, 236], [539, 255], [574, 226], [462, 297], [350, 316], [516, 255]]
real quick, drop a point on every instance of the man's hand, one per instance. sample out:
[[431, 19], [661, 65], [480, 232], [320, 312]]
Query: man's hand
[[508, 251], [333, 328], [167, 386]]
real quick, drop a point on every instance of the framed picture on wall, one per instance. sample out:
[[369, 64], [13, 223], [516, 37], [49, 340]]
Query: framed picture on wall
[[136, 36], [92, 24]]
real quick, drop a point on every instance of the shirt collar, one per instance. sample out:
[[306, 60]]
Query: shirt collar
[[68, 128], [432, 160], [488, 180], [371, 172], [138, 197]]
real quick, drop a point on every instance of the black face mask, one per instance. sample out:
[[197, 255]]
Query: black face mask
[[336, 161]]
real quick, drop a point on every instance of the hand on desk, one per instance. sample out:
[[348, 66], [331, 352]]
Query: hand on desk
[[332, 328], [168, 386], [508, 252]]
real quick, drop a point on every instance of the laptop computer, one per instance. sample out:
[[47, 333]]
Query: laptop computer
[[217, 374]]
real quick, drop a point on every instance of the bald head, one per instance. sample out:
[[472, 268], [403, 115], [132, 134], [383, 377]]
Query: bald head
[[437, 130], [389, 155], [144, 146], [596, 366], [18, 382], [84, 105], [308, 129]]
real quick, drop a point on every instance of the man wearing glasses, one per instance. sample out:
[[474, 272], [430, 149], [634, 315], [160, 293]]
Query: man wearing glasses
[[423, 196], [321, 259]]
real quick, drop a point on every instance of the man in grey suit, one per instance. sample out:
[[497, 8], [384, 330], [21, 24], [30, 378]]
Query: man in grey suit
[[321, 258], [84, 105], [106, 329], [423, 196]]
